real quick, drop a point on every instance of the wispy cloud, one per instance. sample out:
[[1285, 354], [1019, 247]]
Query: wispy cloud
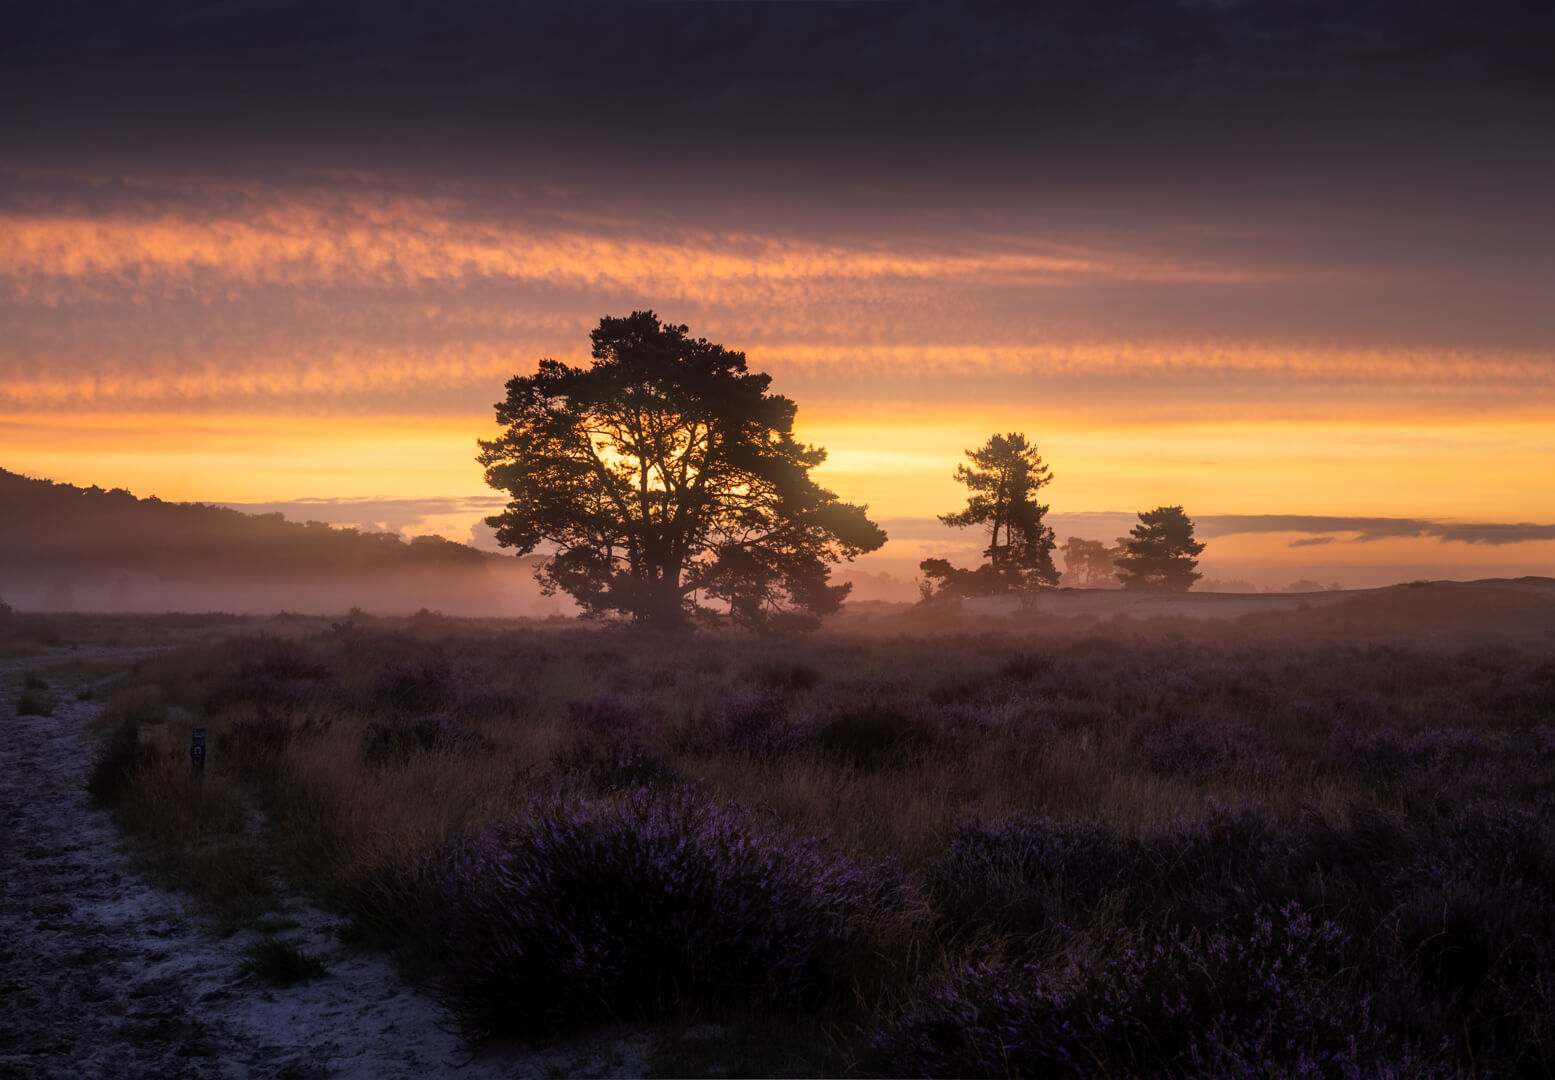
[[323, 509], [1365, 529]]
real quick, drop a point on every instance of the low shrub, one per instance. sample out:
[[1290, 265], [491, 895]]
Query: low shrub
[[646, 904], [869, 736], [134, 705], [282, 962], [1020, 872], [416, 686], [607, 765], [119, 757], [754, 722], [1198, 750], [34, 702], [1267, 1002], [1388, 754], [257, 739], [396, 741], [1201, 870], [611, 715], [268, 671], [787, 675]]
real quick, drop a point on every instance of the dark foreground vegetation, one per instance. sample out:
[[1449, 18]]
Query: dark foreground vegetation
[[1275, 847]]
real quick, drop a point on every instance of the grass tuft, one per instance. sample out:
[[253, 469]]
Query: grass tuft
[[34, 702], [281, 962]]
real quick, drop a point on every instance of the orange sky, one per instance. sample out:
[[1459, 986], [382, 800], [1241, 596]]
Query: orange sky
[[331, 344]]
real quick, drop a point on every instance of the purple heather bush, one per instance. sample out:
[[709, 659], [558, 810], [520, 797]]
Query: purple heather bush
[[613, 764], [873, 733], [1197, 750], [646, 904], [754, 722], [612, 715], [1199, 871], [269, 671], [614, 746], [1022, 871], [1386, 753], [416, 686], [785, 675], [1127, 1003]]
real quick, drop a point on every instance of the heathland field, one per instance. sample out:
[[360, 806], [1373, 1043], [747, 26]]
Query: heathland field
[[1314, 842]]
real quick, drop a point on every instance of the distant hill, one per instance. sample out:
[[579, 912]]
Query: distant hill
[[64, 547]]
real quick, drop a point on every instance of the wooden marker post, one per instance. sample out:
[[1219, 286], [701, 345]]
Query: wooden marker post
[[197, 756]]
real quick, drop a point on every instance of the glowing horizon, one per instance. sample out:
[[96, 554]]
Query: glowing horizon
[[1340, 315]]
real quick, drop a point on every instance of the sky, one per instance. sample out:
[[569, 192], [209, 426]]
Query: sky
[[1288, 265]]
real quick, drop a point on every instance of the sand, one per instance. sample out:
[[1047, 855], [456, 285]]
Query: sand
[[102, 974]]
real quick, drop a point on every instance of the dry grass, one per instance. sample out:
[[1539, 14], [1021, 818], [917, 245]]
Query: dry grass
[[348, 757], [1036, 718]]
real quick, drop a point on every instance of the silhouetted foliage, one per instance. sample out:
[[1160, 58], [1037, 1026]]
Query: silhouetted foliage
[[1090, 564], [64, 545], [1005, 474], [1161, 552], [666, 473]]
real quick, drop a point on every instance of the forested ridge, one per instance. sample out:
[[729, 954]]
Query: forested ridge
[[48, 527]]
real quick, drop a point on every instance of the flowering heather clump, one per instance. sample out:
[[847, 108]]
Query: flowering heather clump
[[611, 715], [1211, 867], [1139, 1004], [612, 746], [269, 671], [580, 909], [754, 722], [1196, 750], [417, 686], [1385, 753], [871, 735], [1457, 909], [614, 764], [784, 675], [1022, 871]]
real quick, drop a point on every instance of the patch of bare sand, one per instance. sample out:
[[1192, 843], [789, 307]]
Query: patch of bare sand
[[104, 975]]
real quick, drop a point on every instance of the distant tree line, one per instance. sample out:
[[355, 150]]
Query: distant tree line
[[78, 533]]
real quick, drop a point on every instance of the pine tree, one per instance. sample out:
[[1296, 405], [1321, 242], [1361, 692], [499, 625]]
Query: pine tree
[[1161, 553]]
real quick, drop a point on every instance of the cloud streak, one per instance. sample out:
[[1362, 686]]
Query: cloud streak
[[1367, 529]]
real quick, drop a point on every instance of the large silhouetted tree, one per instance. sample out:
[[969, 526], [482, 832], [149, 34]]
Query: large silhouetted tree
[[1004, 476], [665, 474], [1161, 552]]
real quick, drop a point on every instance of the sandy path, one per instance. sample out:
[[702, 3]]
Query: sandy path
[[104, 975]]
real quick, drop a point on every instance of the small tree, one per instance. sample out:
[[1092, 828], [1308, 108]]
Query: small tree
[[666, 473], [1005, 474], [1161, 553], [1090, 563]]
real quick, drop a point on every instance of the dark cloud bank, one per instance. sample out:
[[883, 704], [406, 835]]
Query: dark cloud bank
[[1082, 89]]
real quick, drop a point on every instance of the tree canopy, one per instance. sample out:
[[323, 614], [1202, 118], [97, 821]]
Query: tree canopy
[[1090, 564], [1003, 477], [664, 475], [1161, 552]]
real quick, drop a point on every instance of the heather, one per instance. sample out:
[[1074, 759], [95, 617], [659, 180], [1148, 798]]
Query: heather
[[586, 908], [907, 845]]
